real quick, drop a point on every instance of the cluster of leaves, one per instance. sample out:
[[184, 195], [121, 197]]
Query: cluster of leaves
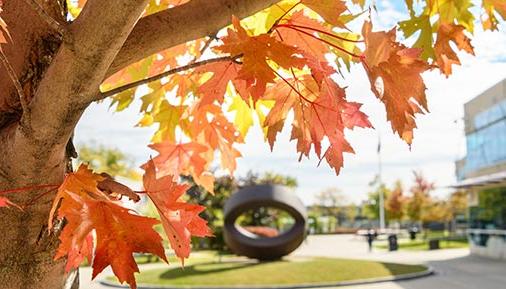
[[88, 203], [275, 67]]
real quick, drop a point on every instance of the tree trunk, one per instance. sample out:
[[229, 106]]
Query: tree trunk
[[27, 247]]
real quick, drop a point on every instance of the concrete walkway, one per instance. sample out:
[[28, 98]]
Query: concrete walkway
[[455, 269]]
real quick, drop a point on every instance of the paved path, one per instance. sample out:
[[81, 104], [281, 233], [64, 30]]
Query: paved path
[[455, 269]]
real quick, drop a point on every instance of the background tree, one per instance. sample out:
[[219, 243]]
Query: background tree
[[267, 178], [331, 203], [371, 207], [74, 53], [108, 160], [420, 200], [457, 204], [394, 204]]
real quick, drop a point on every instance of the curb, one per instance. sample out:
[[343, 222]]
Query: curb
[[429, 271]]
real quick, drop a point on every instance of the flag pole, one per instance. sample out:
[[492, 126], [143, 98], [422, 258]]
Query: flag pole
[[381, 191]]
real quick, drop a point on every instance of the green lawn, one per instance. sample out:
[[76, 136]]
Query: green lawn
[[233, 272], [421, 245]]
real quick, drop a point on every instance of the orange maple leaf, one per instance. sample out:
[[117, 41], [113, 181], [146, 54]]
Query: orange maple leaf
[[180, 220], [320, 111], [83, 182], [329, 10], [395, 75], [215, 88], [445, 55], [256, 51], [490, 22], [211, 127], [180, 159], [189, 159], [116, 238], [304, 42]]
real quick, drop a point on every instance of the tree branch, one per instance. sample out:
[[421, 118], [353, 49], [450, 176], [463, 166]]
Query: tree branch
[[181, 24], [71, 82], [161, 75], [42, 13]]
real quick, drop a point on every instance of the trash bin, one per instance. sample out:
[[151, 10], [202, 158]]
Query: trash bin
[[434, 244], [392, 243]]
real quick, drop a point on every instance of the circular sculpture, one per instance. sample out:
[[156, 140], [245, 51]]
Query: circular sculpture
[[245, 243]]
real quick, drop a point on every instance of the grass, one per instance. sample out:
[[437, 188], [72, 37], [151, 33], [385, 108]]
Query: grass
[[423, 245], [233, 272], [197, 256]]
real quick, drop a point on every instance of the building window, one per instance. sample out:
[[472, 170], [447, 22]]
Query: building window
[[490, 213], [486, 146]]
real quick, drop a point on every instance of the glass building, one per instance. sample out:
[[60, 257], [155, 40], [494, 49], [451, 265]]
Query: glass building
[[482, 173]]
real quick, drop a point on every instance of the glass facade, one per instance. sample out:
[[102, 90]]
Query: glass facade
[[486, 145], [486, 156]]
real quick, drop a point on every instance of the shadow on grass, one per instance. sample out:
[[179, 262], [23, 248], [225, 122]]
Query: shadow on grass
[[401, 269], [200, 269]]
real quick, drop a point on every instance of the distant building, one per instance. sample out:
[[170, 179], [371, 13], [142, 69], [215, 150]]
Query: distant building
[[483, 171]]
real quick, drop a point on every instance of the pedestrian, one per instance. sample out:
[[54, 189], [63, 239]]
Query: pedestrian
[[370, 236]]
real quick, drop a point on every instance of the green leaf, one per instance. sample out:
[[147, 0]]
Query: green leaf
[[425, 40]]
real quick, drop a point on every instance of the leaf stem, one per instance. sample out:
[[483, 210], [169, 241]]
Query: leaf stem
[[292, 87], [281, 17], [327, 42], [32, 201], [320, 31], [28, 188]]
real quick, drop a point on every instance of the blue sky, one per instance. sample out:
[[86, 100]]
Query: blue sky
[[439, 139]]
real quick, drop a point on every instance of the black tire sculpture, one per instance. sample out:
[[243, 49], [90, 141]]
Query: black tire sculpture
[[244, 243]]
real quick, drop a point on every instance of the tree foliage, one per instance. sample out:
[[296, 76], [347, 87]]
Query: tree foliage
[[279, 66], [108, 160]]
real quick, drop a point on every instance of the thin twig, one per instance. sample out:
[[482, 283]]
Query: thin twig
[[12, 74], [204, 48], [324, 41], [281, 17], [320, 31], [120, 89], [43, 14]]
